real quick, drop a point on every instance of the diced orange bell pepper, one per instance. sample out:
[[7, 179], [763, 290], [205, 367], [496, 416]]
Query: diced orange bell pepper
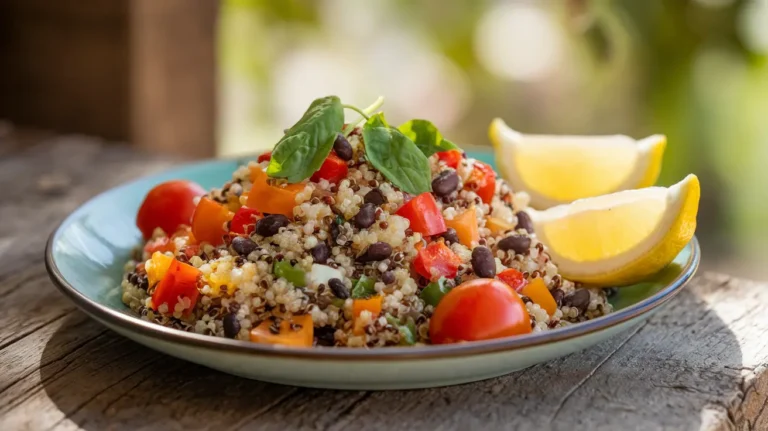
[[372, 304], [466, 227], [497, 225], [297, 332], [272, 199], [209, 220], [178, 284], [537, 290], [159, 266]]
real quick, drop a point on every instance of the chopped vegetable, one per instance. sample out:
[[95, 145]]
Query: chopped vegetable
[[539, 293], [513, 278], [244, 221], [209, 220], [334, 169], [436, 260], [363, 288], [407, 331], [426, 137], [397, 158], [265, 157], [298, 331], [168, 206], [161, 244], [177, 288], [479, 309], [157, 267], [466, 227], [497, 225], [271, 199], [434, 292], [483, 181], [452, 158], [372, 304], [284, 269], [424, 215]]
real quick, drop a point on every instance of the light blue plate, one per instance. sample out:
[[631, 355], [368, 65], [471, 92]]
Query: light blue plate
[[86, 254]]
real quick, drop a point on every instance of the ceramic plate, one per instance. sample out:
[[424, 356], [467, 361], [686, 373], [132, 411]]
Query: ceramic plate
[[86, 254]]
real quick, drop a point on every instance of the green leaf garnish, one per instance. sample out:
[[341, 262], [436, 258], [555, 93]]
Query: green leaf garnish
[[396, 157], [426, 136], [307, 144], [378, 120]]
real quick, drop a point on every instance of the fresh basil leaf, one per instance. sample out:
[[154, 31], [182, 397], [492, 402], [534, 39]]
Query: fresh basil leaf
[[426, 136], [306, 145], [397, 158]]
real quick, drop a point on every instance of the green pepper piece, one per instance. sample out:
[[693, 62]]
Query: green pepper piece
[[284, 269], [434, 292], [407, 331], [363, 288]]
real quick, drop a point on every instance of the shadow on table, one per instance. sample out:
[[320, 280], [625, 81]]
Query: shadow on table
[[664, 375]]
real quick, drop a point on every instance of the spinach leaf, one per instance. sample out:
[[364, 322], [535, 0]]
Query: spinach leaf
[[397, 158], [426, 136], [307, 144]]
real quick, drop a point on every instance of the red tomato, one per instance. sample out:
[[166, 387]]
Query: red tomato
[[334, 169], [208, 221], [424, 215], [483, 181], [180, 281], [479, 309], [265, 157], [168, 206], [161, 244], [436, 258], [244, 221], [451, 157], [513, 278]]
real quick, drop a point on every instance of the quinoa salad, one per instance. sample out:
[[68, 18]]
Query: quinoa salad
[[357, 234]]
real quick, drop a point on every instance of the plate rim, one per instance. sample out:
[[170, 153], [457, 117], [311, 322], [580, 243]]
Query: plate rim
[[132, 323]]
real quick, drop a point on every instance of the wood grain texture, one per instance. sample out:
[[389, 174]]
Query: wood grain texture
[[700, 363]]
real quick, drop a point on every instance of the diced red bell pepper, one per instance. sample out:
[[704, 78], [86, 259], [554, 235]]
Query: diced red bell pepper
[[483, 181], [178, 283], [244, 221], [436, 260], [334, 169], [424, 215], [513, 278], [265, 157], [161, 244], [451, 158], [208, 221]]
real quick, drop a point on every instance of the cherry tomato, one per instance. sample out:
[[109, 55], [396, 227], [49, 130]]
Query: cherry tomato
[[265, 157], [334, 169], [168, 206], [451, 158], [480, 309], [244, 221], [424, 215], [483, 181]]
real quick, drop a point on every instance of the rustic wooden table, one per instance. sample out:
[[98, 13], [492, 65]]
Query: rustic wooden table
[[700, 363]]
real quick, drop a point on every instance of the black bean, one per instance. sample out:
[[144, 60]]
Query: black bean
[[338, 288], [366, 216], [243, 245], [388, 277], [578, 299], [271, 224], [143, 282], [524, 221], [520, 244], [375, 196], [445, 183], [483, 262], [321, 253], [376, 252], [231, 325], [558, 294], [342, 147], [325, 336], [451, 236]]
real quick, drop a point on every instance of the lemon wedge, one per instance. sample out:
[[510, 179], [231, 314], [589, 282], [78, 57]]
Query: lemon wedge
[[560, 169], [620, 238]]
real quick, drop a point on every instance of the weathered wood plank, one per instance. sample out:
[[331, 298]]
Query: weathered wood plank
[[698, 364]]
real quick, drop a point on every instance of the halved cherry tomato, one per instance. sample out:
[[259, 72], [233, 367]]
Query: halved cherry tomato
[[466, 227], [451, 158], [265, 157], [161, 244], [539, 293], [424, 215], [334, 169], [168, 206], [513, 278], [178, 283], [208, 221], [436, 260], [297, 331], [479, 309], [483, 181], [244, 221], [272, 199]]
